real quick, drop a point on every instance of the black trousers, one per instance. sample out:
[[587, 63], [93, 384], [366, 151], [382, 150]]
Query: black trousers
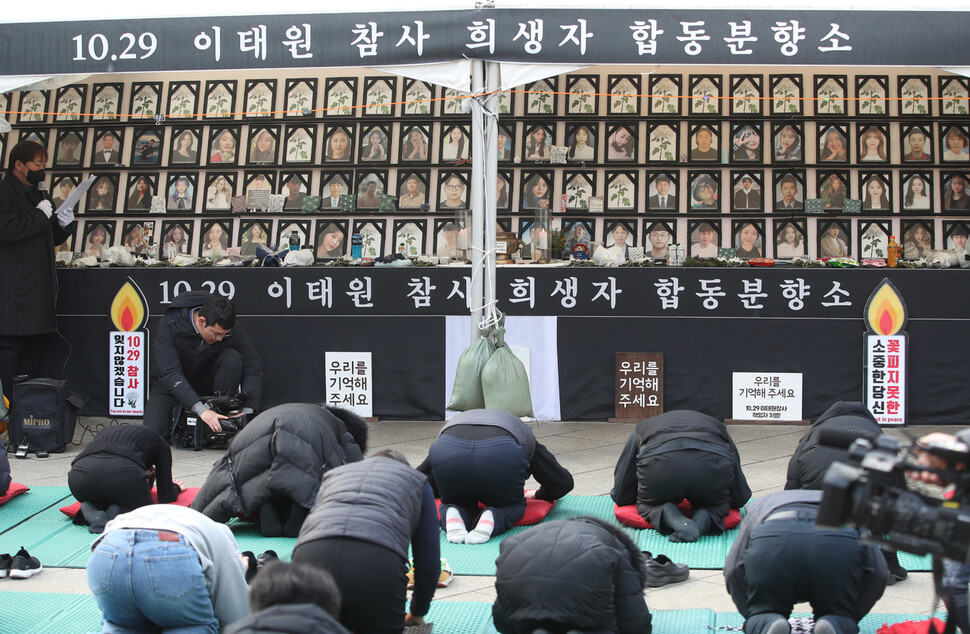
[[372, 581], [223, 376], [105, 479], [491, 471], [703, 478], [38, 356], [791, 560]]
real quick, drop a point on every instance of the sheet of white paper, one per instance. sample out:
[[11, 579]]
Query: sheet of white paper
[[75, 195]]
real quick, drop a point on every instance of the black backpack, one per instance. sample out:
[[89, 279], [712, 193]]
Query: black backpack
[[43, 415]]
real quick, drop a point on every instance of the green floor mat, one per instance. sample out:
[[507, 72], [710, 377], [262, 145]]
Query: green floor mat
[[248, 537], [460, 617], [44, 612], [30, 503]]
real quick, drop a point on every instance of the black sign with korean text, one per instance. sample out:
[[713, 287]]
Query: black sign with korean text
[[583, 36]]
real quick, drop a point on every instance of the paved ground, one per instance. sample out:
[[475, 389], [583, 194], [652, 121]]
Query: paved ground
[[588, 449]]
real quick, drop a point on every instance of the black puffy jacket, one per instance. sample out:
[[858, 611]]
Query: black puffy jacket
[[282, 453], [811, 460], [582, 573]]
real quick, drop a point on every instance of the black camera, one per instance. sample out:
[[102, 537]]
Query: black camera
[[869, 492], [191, 432]]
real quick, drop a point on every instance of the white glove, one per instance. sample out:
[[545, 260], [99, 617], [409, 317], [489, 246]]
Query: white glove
[[65, 217], [46, 207]]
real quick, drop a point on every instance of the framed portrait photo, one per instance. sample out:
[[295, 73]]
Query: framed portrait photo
[[622, 192], [504, 184], [180, 192], [223, 145], [624, 96], [176, 239], [141, 188], [68, 148], [833, 143], [789, 190], [916, 143], [260, 98], [705, 143], [873, 143], [215, 238], [833, 189], [917, 238], [183, 100], [746, 140], [581, 138], [106, 101], [69, 103], [371, 187], [263, 147], [833, 238], [955, 235], [220, 187], [253, 234], [341, 99], [301, 95], [338, 143], [955, 143], [138, 236], [830, 95], [955, 194], [704, 237], [914, 95], [379, 95], [582, 94], [790, 240], [705, 94], [333, 185], [746, 94], [786, 94], [662, 192], [748, 238], [876, 188], [621, 142], [747, 190], [103, 195], [375, 144], [295, 186], [578, 231], [705, 191], [916, 191], [415, 143], [657, 235], [538, 142], [788, 142], [107, 147], [330, 239], [452, 190], [146, 147], [412, 190], [61, 187], [184, 149], [220, 99], [536, 191], [665, 91], [98, 237]]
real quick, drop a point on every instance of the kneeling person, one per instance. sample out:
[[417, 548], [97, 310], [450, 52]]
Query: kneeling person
[[781, 558], [485, 455], [675, 456]]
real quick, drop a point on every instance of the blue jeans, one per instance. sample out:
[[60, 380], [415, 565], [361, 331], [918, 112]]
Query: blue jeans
[[144, 581]]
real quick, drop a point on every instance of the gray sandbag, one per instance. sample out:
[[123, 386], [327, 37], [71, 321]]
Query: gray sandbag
[[505, 383], [467, 392]]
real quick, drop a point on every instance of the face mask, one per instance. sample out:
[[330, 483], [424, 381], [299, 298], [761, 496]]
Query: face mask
[[35, 176]]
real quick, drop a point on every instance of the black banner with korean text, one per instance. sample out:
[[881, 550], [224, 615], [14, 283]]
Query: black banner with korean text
[[707, 322], [554, 36]]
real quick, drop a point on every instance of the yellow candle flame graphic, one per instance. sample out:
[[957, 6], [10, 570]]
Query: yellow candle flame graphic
[[127, 309]]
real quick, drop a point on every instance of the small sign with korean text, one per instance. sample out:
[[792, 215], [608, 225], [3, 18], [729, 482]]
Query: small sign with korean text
[[349, 378], [639, 386], [127, 343], [767, 396], [885, 344]]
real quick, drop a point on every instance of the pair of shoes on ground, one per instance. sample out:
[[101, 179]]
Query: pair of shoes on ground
[[254, 564], [20, 566], [781, 625], [661, 571], [445, 577]]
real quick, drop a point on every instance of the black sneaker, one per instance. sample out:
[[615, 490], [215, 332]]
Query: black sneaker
[[5, 562], [24, 566], [662, 571], [267, 558]]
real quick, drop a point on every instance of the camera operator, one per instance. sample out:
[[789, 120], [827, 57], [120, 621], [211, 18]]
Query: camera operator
[[956, 575], [183, 367]]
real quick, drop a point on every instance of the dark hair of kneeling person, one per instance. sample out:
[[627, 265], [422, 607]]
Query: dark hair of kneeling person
[[485, 456], [272, 470], [292, 598], [115, 472], [580, 574], [366, 516]]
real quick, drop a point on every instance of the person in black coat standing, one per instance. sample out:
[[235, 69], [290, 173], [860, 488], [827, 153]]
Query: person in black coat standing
[[581, 574], [29, 231], [198, 351], [675, 456]]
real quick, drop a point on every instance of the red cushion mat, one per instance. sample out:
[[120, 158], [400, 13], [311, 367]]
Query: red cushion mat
[[13, 491], [628, 515], [535, 511], [184, 499]]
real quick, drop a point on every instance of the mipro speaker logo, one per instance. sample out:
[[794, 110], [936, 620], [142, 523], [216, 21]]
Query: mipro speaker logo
[[33, 421]]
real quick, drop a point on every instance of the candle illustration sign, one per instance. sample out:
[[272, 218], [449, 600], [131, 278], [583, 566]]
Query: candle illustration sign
[[886, 355], [127, 344]]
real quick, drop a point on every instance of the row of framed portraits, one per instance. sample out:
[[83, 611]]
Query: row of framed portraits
[[781, 238], [563, 142], [580, 94], [635, 191]]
